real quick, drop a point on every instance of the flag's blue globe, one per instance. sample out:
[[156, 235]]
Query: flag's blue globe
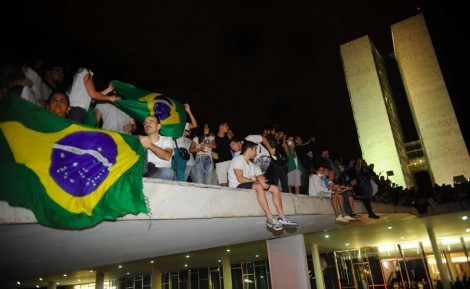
[[81, 161]]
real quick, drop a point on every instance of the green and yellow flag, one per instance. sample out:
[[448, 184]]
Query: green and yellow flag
[[71, 176], [139, 104]]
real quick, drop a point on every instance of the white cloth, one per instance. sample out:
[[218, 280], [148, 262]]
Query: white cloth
[[317, 188], [164, 142], [206, 140], [263, 157], [239, 162], [78, 94], [113, 118], [261, 151], [33, 93]]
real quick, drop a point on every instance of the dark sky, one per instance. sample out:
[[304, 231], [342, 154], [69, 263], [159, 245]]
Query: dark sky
[[248, 62]]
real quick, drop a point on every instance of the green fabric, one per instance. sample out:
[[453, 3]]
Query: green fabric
[[291, 163], [139, 104], [69, 175]]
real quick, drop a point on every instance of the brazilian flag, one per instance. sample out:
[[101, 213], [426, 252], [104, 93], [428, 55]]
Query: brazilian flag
[[139, 104], [70, 175]]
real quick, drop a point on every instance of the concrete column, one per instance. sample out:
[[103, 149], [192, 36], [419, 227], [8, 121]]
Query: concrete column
[[438, 256], [156, 277], [288, 263], [317, 268], [227, 267], [51, 285], [99, 281]]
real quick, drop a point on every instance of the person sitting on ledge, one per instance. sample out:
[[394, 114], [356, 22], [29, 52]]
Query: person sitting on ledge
[[241, 174]]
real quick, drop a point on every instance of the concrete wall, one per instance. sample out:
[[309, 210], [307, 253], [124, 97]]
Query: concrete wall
[[180, 200]]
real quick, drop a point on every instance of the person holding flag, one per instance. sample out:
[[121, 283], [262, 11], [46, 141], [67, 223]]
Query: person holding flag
[[159, 150]]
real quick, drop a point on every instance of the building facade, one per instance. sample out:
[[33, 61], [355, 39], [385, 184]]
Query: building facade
[[444, 153]]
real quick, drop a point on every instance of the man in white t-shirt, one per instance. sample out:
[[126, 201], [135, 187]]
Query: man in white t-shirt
[[241, 174], [159, 150]]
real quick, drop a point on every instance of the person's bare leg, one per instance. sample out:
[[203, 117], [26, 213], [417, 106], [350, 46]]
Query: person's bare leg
[[334, 204], [262, 201], [297, 190], [351, 202], [341, 205], [277, 200]]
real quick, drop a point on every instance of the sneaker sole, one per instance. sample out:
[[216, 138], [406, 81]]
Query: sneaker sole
[[290, 225], [275, 229]]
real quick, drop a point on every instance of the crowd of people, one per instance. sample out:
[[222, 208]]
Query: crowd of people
[[272, 160]]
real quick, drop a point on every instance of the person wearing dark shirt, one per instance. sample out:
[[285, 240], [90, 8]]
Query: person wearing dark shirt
[[222, 163]]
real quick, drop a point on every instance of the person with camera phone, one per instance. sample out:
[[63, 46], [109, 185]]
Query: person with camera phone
[[202, 145]]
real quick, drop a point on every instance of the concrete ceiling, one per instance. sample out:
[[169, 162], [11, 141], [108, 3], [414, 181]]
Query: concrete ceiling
[[31, 251]]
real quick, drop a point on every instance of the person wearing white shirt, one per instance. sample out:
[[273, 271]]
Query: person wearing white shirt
[[159, 150], [241, 174]]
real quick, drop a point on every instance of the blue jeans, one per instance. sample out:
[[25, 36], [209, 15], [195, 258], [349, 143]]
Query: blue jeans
[[204, 170], [163, 174], [190, 172]]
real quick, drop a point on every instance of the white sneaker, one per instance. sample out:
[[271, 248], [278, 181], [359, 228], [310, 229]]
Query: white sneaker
[[341, 219], [349, 218]]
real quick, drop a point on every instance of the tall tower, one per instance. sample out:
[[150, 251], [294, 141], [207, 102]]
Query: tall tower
[[375, 114], [443, 144]]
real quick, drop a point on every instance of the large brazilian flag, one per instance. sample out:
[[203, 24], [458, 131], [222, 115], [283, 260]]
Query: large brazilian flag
[[139, 104], [70, 175]]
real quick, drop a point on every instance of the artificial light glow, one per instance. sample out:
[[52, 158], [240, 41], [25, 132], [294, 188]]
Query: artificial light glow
[[79, 280], [411, 245], [185, 265], [347, 244], [120, 266], [40, 279], [187, 256], [386, 248], [151, 262], [228, 250], [464, 218], [390, 227], [37, 286], [327, 236], [402, 238], [91, 271], [58, 283], [462, 259], [257, 256], [65, 275], [219, 260], [468, 230], [450, 241], [18, 282], [128, 273], [248, 281]]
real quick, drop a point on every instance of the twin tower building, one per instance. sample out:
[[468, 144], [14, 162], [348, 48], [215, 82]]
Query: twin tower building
[[440, 151]]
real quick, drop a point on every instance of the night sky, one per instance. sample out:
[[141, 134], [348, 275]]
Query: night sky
[[250, 63]]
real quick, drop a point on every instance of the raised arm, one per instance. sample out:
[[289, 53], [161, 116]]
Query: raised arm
[[90, 88], [193, 123]]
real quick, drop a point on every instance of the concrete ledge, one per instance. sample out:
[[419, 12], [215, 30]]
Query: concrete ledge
[[180, 200]]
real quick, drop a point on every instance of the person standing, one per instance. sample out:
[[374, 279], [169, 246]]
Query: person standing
[[222, 163], [82, 92]]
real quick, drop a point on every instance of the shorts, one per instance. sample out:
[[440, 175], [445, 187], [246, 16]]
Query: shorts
[[221, 169], [248, 185], [293, 178]]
